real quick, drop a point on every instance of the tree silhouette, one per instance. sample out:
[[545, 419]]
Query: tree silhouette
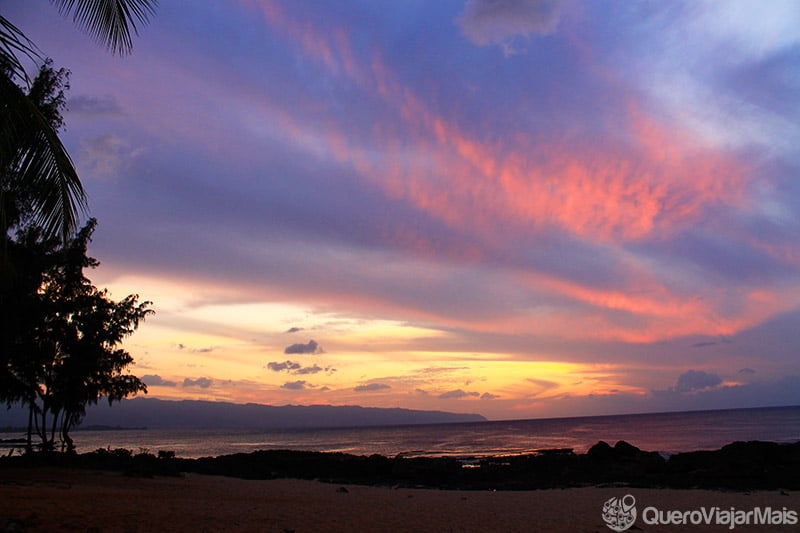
[[62, 346], [22, 311], [79, 342]]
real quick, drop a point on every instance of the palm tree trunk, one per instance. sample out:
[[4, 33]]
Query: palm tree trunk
[[29, 444]]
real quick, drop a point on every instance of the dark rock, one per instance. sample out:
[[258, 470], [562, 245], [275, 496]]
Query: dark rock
[[600, 451], [623, 449], [740, 466]]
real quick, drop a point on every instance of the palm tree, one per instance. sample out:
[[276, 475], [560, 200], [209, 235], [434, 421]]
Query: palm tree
[[32, 157]]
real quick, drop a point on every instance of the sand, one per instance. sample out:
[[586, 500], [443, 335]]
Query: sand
[[48, 499]]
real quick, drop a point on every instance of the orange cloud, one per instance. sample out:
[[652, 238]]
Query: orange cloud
[[605, 191]]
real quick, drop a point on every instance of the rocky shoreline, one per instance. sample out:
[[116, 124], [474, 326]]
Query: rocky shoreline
[[753, 465]]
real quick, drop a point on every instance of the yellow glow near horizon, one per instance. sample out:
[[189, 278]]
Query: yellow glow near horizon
[[213, 343]]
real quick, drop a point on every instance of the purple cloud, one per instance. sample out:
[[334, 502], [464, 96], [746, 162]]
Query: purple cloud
[[309, 348], [202, 382], [157, 381], [295, 385], [93, 106], [313, 369], [284, 366], [694, 380], [298, 369], [497, 21]]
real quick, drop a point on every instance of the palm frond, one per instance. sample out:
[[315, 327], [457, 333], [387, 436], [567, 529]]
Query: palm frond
[[111, 22], [13, 44], [32, 153]]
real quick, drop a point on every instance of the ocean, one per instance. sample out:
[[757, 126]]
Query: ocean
[[667, 433]]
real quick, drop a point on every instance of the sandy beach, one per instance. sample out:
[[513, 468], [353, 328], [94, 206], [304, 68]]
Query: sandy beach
[[58, 499]]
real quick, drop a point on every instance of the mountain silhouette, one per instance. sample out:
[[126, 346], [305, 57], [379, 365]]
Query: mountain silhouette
[[153, 413]]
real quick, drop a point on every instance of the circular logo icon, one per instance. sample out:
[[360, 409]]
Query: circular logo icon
[[620, 513]]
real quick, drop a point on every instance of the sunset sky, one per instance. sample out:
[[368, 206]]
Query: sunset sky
[[514, 208]]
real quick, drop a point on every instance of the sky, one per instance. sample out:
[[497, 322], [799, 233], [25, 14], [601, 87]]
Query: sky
[[515, 208]]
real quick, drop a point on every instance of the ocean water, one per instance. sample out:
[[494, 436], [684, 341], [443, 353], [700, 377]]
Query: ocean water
[[668, 433]]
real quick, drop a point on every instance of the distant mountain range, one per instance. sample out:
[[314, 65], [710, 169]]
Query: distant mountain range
[[153, 413]]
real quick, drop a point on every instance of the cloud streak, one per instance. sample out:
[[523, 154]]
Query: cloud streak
[[458, 394], [372, 387]]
